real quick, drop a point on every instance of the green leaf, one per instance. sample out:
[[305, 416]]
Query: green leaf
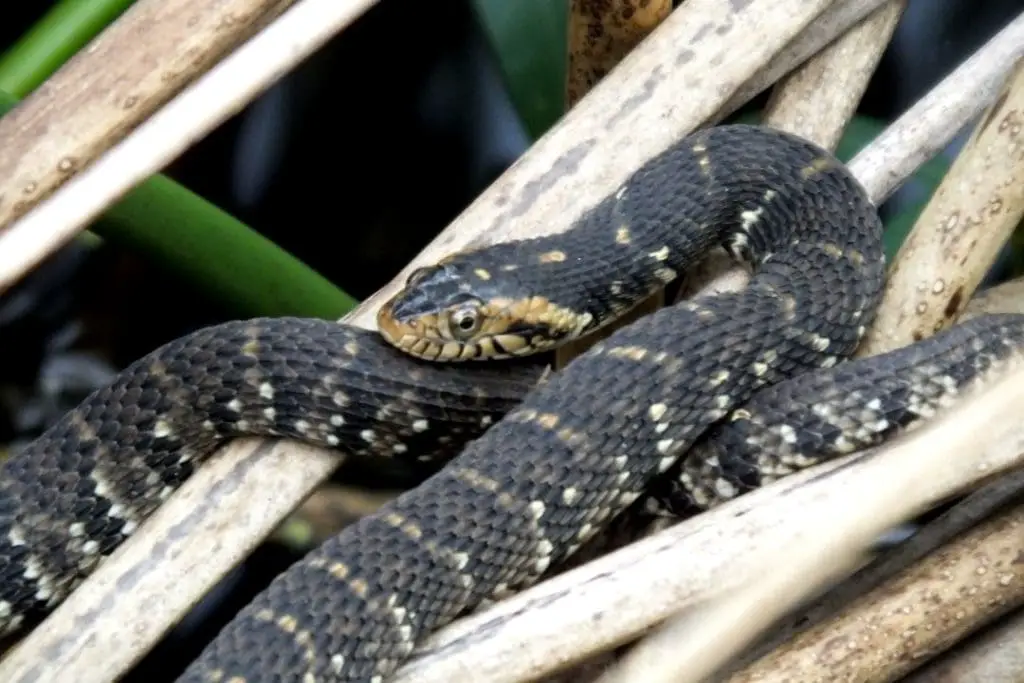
[[529, 39], [215, 252], [61, 33]]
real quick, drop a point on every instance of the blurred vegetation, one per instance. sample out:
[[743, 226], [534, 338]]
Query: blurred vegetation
[[162, 220]]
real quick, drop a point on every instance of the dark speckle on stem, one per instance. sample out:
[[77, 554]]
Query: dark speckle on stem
[[954, 303], [703, 31], [565, 165], [634, 101]]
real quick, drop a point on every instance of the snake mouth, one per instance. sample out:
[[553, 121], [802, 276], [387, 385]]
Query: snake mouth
[[506, 329], [425, 338]]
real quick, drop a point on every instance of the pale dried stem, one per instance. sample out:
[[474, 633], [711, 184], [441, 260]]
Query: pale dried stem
[[987, 501], [957, 237], [1007, 297], [928, 607], [211, 100], [936, 118], [128, 71], [839, 18], [996, 655], [818, 100]]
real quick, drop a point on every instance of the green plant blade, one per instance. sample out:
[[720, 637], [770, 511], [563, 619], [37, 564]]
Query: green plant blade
[[61, 33], [215, 252], [529, 39]]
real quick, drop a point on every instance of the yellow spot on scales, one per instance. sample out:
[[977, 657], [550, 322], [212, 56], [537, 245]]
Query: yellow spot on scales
[[632, 352], [832, 249], [548, 420], [288, 623], [250, 348], [815, 167], [660, 254], [552, 257]]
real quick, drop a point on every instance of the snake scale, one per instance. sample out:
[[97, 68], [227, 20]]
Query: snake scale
[[748, 386]]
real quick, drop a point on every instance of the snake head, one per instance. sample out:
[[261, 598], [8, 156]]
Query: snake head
[[456, 311]]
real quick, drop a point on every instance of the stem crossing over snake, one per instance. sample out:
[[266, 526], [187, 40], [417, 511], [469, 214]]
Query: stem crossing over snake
[[567, 457]]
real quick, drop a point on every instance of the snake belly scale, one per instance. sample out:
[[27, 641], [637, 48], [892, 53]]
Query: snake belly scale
[[568, 455]]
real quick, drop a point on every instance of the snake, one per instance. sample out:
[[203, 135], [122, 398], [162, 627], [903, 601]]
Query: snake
[[681, 409]]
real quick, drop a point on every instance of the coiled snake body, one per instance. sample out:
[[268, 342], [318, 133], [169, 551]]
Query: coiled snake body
[[567, 457]]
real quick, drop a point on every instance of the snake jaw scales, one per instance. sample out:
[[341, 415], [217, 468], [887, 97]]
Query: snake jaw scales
[[687, 407]]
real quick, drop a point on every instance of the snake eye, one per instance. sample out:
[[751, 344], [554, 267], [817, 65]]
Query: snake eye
[[465, 321]]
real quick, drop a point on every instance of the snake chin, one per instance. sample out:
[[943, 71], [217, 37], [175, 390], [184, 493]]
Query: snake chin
[[495, 334]]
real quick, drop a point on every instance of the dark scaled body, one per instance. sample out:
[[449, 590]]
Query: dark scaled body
[[565, 459], [74, 494], [584, 446], [819, 416]]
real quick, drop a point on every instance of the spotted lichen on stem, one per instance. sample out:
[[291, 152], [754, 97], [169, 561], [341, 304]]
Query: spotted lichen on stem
[[833, 607], [994, 654]]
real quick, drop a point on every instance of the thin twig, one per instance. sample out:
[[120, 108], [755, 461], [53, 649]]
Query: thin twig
[[934, 119]]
